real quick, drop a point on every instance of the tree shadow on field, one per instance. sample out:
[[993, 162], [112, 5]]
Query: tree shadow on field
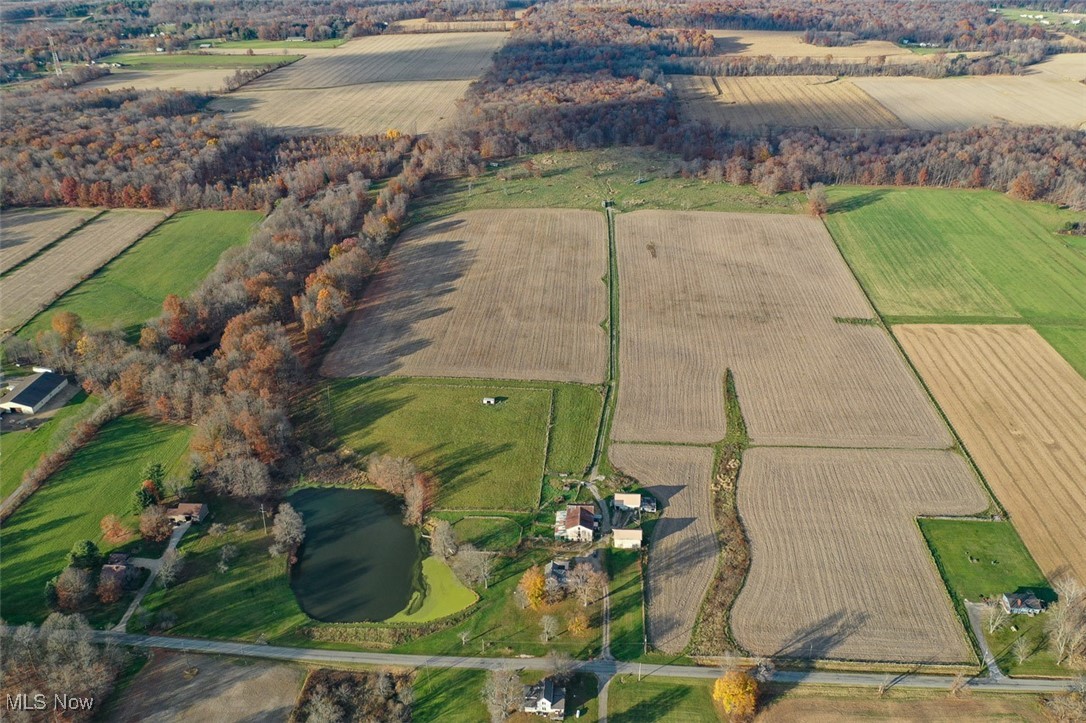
[[858, 201], [659, 707], [664, 493], [819, 639]]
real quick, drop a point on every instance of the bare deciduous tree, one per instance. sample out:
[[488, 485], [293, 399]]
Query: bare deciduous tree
[[548, 628], [288, 530], [169, 570], [503, 693], [443, 540], [994, 616]]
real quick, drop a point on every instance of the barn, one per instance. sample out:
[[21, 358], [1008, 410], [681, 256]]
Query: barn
[[29, 394]]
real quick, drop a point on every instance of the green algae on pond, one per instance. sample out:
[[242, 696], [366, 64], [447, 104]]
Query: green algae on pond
[[359, 562]]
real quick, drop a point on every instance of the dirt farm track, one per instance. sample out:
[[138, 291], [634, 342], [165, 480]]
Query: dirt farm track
[[1020, 409]]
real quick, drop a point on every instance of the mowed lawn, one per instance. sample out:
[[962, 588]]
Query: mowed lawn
[[484, 457], [982, 558], [930, 254], [22, 449], [449, 695], [653, 699], [172, 259], [99, 480]]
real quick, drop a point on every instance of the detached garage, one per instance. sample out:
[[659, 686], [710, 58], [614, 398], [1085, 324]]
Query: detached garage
[[29, 394]]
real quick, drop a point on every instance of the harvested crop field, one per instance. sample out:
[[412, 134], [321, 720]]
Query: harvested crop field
[[683, 549], [180, 686], [409, 107], [789, 44], [32, 287], [1020, 410], [700, 293], [488, 294], [948, 103], [388, 58], [26, 231], [800, 101], [197, 80], [837, 556]]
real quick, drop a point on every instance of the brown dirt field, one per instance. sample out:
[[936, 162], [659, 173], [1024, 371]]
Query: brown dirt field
[[388, 58], [1071, 66], [1038, 98], [493, 294], [224, 689], [703, 292], [25, 231], [789, 44], [1020, 410], [683, 549], [838, 558], [751, 104], [32, 287], [863, 705], [197, 81], [414, 107]]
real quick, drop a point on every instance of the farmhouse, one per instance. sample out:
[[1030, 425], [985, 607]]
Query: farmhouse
[[627, 501], [187, 512], [577, 524], [627, 539], [117, 568], [29, 395], [545, 698], [1021, 603]]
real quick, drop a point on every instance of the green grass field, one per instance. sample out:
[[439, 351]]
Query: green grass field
[[954, 255], [449, 695], [1070, 341], [445, 595], [650, 700], [627, 624], [577, 412], [299, 45], [488, 533], [1041, 660], [207, 61], [171, 259], [1002, 563], [22, 449], [485, 458], [253, 598], [584, 179], [99, 480]]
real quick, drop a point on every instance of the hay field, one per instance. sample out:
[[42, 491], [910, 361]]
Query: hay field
[[799, 101], [789, 44], [703, 292], [26, 231], [197, 80], [1071, 66], [1020, 410], [683, 549], [949, 103], [490, 294], [414, 107], [32, 287], [837, 556], [388, 58]]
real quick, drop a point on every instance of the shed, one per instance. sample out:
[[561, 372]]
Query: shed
[[30, 394], [626, 539], [490, 400], [627, 501]]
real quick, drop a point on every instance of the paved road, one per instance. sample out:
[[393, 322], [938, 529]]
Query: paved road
[[605, 669]]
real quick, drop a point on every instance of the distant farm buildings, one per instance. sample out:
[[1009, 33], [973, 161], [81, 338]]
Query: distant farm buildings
[[30, 394]]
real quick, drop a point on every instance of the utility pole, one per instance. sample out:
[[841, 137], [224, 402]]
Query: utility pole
[[263, 519]]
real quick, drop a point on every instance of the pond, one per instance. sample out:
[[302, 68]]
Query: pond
[[359, 562]]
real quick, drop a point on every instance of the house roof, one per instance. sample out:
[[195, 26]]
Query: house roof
[[34, 388], [581, 515], [546, 689], [630, 499], [627, 534], [1023, 600], [187, 508]]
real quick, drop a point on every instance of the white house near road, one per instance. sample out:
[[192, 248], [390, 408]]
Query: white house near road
[[626, 539]]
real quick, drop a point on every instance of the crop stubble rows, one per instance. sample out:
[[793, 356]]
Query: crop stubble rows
[[26, 231], [683, 548], [34, 286], [489, 294], [1020, 409]]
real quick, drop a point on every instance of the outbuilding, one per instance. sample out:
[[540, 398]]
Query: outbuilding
[[626, 539], [30, 394], [627, 501]]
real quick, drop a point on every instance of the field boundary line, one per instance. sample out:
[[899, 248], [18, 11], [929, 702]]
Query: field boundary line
[[53, 243], [92, 273], [610, 386], [960, 445]]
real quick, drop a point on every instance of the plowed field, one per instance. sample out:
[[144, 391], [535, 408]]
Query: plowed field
[[491, 294], [704, 292], [27, 231], [800, 101], [34, 286], [1020, 410], [683, 548], [838, 567]]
